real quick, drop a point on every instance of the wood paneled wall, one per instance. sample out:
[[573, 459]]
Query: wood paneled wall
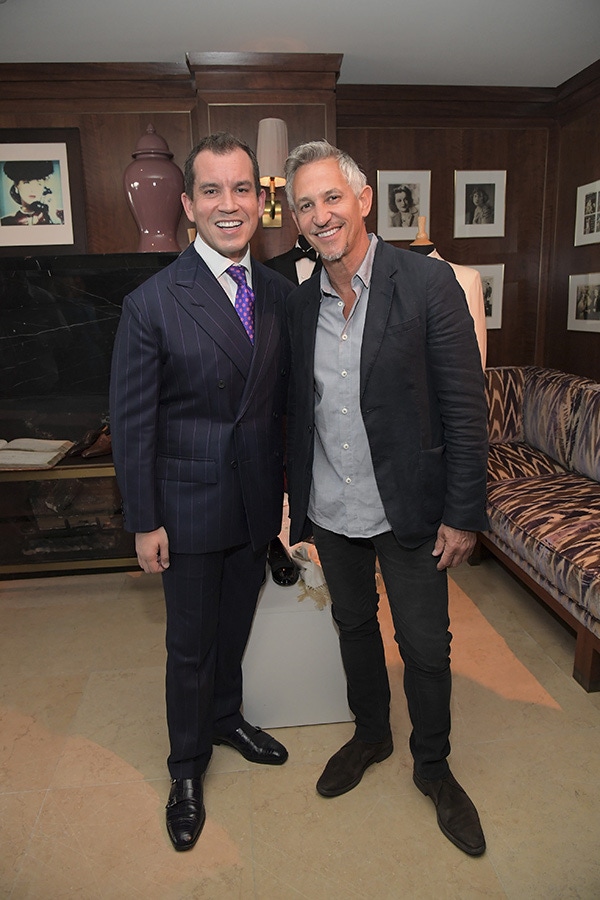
[[111, 105], [545, 139], [579, 163], [522, 153]]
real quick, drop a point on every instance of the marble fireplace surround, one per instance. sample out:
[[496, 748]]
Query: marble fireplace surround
[[58, 317]]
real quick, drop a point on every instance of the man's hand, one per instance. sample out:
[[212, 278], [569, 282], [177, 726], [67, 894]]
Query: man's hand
[[453, 546], [152, 548]]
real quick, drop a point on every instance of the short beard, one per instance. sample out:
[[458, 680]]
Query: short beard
[[335, 257]]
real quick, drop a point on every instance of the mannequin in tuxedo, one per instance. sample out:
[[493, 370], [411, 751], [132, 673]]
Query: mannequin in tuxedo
[[469, 280], [198, 389], [297, 264]]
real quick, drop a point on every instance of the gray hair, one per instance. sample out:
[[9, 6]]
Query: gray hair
[[315, 151]]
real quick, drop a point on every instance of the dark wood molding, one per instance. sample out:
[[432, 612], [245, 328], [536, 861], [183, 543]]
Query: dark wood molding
[[47, 81], [249, 72], [575, 93], [384, 106]]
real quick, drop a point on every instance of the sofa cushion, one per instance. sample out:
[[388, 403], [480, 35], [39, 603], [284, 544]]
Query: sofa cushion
[[552, 522], [550, 407], [514, 460]]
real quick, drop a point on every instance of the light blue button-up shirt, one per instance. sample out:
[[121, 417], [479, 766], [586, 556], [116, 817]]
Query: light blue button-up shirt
[[344, 496]]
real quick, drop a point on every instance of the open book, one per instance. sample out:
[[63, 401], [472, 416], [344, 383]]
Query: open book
[[32, 453]]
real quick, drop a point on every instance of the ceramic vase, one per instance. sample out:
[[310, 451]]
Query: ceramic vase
[[153, 186]]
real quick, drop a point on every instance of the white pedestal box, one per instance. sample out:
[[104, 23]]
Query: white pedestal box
[[293, 673]]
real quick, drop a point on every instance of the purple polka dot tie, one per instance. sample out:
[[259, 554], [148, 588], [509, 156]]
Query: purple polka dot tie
[[244, 299]]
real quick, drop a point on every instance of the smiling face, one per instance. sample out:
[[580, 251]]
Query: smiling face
[[225, 207], [329, 214]]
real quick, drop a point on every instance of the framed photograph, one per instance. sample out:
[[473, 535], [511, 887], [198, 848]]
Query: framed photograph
[[401, 198], [41, 185], [584, 302], [492, 282], [479, 204], [587, 216]]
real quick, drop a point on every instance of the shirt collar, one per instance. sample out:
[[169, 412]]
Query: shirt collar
[[219, 264]]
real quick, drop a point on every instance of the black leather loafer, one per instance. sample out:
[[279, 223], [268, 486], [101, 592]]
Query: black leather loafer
[[346, 767], [456, 813], [254, 744], [185, 812]]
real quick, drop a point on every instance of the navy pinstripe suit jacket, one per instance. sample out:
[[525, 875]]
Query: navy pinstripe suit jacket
[[196, 413]]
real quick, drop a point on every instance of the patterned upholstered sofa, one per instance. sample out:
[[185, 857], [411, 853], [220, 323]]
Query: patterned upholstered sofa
[[544, 495]]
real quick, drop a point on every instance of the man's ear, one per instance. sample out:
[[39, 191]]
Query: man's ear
[[365, 198], [187, 206], [262, 197], [295, 218]]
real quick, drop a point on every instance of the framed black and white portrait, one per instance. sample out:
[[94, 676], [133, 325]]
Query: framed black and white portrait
[[584, 302], [401, 198], [479, 199], [587, 215], [492, 282]]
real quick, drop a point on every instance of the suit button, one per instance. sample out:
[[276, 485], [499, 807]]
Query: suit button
[[275, 415], [310, 429], [234, 464], [221, 384]]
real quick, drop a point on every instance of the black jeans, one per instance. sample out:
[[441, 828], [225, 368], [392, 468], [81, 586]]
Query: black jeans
[[418, 598]]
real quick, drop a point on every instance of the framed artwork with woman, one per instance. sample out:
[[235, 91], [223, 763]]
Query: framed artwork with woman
[[41, 192], [479, 201], [401, 198]]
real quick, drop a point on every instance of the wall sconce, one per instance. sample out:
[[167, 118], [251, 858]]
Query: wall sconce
[[272, 152]]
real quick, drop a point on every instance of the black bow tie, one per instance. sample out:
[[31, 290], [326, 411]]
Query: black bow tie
[[301, 253]]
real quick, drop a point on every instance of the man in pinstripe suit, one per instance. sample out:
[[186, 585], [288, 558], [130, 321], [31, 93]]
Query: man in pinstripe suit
[[196, 404]]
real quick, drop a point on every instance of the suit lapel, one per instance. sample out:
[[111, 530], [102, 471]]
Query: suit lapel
[[306, 333], [381, 293], [266, 332], [197, 290]]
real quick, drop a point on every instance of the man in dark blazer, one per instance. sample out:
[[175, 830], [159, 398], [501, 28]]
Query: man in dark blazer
[[387, 447], [197, 396]]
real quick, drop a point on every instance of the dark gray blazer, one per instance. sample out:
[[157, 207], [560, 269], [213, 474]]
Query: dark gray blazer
[[422, 398], [196, 415]]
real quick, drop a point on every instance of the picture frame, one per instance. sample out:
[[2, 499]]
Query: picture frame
[[584, 302], [587, 214], [402, 196], [492, 282], [48, 160], [484, 216]]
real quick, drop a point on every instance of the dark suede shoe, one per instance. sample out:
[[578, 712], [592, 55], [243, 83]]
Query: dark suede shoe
[[346, 767], [456, 814], [185, 812], [254, 744]]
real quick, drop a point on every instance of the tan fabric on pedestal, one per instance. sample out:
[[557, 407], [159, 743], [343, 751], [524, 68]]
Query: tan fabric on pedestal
[[470, 281]]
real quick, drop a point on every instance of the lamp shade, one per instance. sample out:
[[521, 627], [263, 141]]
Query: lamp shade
[[272, 150]]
